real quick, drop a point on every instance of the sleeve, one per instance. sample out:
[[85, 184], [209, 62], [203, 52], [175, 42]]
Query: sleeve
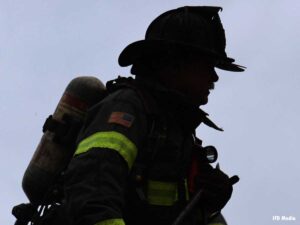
[[96, 178]]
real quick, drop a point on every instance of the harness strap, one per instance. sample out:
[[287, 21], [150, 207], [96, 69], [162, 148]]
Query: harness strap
[[150, 191]]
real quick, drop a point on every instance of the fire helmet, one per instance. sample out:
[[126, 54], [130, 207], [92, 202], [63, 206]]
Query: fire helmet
[[193, 28]]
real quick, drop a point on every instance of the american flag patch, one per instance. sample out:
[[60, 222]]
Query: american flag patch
[[122, 118]]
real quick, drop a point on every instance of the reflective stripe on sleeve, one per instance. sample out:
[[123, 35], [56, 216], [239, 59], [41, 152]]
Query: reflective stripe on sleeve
[[111, 222], [163, 193], [187, 195], [111, 140]]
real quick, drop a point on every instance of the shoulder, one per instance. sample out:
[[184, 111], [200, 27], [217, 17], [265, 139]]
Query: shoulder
[[124, 96], [119, 117], [122, 111]]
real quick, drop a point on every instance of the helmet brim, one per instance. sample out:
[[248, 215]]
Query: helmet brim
[[138, 49]]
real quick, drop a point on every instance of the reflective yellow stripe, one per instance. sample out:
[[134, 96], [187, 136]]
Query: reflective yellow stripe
[[111, 222], [164, 193], [187, 195], [112, 140]]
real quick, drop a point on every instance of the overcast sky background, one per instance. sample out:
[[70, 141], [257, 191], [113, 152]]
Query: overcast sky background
[[44, 44]]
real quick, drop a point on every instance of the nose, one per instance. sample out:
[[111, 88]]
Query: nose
[[215, 76]]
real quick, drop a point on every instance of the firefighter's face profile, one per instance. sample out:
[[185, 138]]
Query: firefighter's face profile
[[200, 77], [196, 78]]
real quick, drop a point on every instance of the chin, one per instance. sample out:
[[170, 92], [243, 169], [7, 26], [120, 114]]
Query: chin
[[201, 101], [198, 98]]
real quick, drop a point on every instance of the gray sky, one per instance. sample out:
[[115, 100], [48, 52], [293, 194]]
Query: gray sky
[[44, 44]]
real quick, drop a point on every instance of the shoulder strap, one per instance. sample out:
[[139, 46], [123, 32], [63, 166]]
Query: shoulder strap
[[156, 131], [149, 103], [157, 126]]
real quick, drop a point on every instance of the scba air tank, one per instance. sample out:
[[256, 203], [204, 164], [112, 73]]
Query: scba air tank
[[57, 144]]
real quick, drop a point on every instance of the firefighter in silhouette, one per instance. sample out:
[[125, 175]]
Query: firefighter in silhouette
[[138, 160]]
